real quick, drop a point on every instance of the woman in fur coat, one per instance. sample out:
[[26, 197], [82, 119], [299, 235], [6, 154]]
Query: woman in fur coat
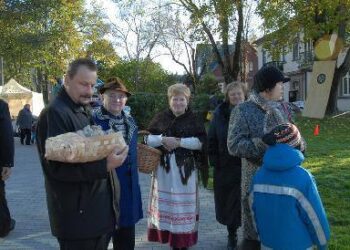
[[249, 121]]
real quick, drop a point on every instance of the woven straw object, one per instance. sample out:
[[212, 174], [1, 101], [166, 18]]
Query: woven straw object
[[148, 158], [74, 148]]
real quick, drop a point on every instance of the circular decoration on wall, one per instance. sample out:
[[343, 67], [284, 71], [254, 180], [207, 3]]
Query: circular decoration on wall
[[321, 78]]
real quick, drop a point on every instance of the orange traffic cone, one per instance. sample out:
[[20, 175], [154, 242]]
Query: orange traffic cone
[[317, 130]]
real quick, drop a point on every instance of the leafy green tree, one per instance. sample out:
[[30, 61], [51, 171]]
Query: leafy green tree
[[152, 77], [284, 20], [39, 38], [103, 52]]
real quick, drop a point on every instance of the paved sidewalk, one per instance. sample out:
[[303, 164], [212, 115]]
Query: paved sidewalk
[[27, 202]]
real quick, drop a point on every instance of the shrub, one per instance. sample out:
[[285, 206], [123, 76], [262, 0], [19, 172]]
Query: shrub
[[145, 105]]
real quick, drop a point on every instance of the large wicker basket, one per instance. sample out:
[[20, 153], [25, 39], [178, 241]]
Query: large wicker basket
[[148, 158]]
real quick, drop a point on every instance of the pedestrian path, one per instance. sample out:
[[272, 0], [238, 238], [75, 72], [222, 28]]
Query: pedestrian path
[[27, 202]]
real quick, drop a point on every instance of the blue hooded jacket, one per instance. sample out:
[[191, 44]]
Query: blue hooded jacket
[[286, 205]]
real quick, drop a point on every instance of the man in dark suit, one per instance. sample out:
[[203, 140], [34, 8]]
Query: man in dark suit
[[79, 195], [6, 163]]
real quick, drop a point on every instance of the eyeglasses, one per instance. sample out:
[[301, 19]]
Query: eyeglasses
[[117, 97]]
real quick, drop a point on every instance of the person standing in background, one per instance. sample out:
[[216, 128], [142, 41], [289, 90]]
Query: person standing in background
[[227, 168], [112, 116], [249, 121], [7, 151], [24, 122]]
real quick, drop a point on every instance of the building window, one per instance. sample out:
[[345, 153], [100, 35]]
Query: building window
[[295, 85], [250, 66], [264, 56], [296, 50], [284, 54], [308, 46], [346, 86]]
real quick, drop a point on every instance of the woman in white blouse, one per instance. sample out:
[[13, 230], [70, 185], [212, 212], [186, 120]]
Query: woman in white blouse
[[173, 207]]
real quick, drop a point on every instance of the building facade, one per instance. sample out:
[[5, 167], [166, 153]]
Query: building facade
[[205, 57], [297, 62]]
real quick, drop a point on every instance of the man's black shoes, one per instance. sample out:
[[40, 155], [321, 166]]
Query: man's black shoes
[[12, 224]]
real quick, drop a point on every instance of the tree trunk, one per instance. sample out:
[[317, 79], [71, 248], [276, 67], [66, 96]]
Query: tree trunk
[[42, 79], [339, 73], [227, 69], [244, 62], [38, 80], [45, 89], [213, 44], [236, 56], [332, 101], [194, 86]]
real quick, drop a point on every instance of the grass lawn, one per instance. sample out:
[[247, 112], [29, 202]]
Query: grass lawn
[[328, 158]]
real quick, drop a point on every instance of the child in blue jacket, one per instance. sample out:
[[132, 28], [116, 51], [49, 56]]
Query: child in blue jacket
[[285, 203]]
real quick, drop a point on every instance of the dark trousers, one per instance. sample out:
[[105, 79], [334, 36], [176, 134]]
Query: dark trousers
[[232, 232], [123, 238], [98, 243], [26, 133], [5, 218], [250, 245]]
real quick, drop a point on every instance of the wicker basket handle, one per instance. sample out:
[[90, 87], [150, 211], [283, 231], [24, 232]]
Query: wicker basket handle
[[144, 132]]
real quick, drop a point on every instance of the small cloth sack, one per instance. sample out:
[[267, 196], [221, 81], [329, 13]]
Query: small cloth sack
[[76, 147]]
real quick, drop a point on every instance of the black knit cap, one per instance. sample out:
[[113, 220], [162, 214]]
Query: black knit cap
[[267, 78]]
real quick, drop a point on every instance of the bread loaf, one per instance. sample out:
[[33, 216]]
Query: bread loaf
[[74, 147]]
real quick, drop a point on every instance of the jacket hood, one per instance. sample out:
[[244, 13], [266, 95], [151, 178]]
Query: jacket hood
[[281, 157]]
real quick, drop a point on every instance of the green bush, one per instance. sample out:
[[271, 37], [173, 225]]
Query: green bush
[[200, 105], [145, 105], [208, 84]]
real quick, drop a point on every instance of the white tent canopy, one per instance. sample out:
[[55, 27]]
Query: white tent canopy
[[17, 96], [13, 87]]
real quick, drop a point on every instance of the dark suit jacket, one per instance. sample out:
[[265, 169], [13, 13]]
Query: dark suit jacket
[[79, 195], [7, 149]]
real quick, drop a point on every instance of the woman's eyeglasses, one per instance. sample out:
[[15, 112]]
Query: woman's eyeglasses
[[117, 97]]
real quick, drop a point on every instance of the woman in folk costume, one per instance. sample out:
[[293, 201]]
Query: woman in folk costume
[[249, 121], [174, 205], [112, 116], [227, 168]]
